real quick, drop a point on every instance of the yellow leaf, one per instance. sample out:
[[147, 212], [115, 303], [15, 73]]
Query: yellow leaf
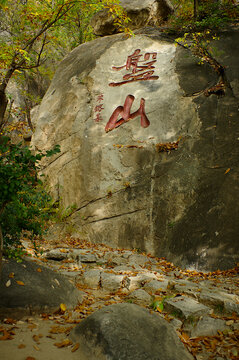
[[227, 171], [64, 343], [8, 283], [76, 347], [11, 275], [39, 270], [63, 307], [20, 283]]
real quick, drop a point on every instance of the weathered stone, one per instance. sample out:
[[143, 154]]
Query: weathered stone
[[177, 324], [188, 288], [84, 256], [217, 298], [137, 259], [129, 192], [111, 282], [231, 307], [34, 288], [185, 307], [140, 280], [208, 326], [140, 296], [140, 12], [123, 268], [56, 254], [155, 285], [116, 259], [87, 258], [127, 332], [91, 278]]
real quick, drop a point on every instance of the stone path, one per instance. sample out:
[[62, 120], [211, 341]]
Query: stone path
[[203, 307]]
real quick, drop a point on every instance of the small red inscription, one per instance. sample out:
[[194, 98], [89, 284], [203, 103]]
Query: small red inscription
[[98, 108], [135, 64], [124, 112]]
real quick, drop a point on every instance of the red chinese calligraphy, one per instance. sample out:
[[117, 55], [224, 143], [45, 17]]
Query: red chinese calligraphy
[[98, 108], [100, 97], [98, 118], [136, 65], [124, 111]]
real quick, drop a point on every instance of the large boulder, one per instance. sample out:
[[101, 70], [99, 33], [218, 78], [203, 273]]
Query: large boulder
[[140, 13], [127, 332], [163, 179], [27, 287]]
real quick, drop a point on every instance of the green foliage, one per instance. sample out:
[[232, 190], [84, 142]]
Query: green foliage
[[22, 200], [25, 212], [210, 14], [59, 214], [157, 305]]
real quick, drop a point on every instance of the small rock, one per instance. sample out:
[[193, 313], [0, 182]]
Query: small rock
[[140, 296], [123, 268], [111, 282], [218, 298], [231, 307], [186, 307], [87, 258], [56, 254], [138, 259], [140, 280], [208, 326], [187, 287], [91, 278], [177, 324], [156, 285]]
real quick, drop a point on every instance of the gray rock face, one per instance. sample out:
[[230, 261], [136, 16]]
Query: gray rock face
[[27, 288], [128, 191], [140, 12], [127, 332]]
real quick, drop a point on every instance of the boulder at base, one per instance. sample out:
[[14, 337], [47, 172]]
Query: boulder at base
[[127, 332], [27, 287]]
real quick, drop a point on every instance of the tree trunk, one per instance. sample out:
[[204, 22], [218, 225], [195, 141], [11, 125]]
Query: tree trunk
[[195, 9], [1, 251], [1, 238], [3, 107]]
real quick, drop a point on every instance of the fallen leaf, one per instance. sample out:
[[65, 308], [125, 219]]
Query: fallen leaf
[[36, 338], [184, 337], [11, 275], [39, 270], [21, 346], [63, 307], [6, 335], [30, 358], [8, 283], [227, 171], [10, 321], [76, 347], [20, 283], [64, 343], [32, 326], [60, 329], [36, 348]]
